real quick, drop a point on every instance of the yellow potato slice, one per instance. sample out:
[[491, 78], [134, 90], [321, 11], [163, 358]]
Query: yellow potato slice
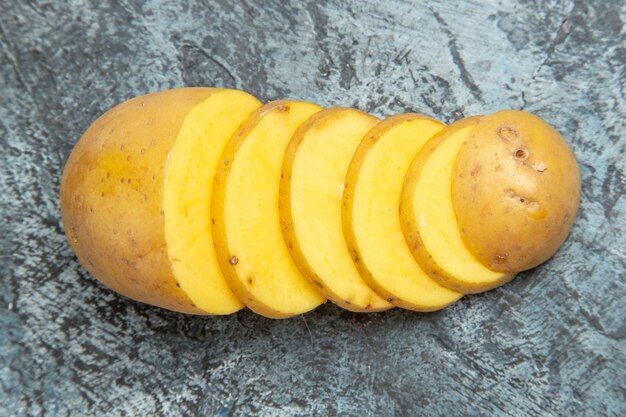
[[313, 175], [371, 218], [246, 226], [188, 185], [428, 218]]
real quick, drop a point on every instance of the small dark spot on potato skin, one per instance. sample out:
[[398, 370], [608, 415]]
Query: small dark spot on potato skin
[[102, 194], [500, 258], [521, 154], [122, 180], [283, 108], [233, 260], [475, 170], [226, 162], [348, 302], [391, 299], [290, 245], [213, 222], [368, 306], [178, 285], [318, 284], [250, 280]]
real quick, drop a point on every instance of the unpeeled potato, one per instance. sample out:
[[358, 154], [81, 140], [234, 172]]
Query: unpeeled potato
[[516, 190], [131, 206]]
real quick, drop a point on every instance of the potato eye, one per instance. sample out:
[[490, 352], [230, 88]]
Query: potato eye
[[521, 154]]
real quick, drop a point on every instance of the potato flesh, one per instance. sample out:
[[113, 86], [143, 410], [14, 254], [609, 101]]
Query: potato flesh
[[314, 170], [372, 219], [251, 250], [516, 191], [431, 218], [188, 186]]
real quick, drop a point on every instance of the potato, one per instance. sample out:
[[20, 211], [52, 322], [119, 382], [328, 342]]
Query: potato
[[429, 220], [371, 219], [135, 196], [313, 174], [246, 225], [516, 191]]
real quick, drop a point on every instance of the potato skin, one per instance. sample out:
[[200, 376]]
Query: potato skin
[[516, 191], [111, 196]]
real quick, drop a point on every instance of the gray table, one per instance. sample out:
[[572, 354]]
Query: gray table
[[552, 342]]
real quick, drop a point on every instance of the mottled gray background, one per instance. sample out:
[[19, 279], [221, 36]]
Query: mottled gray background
[[551, 343]]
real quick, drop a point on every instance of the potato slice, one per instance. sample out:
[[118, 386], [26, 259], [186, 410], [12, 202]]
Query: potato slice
[[312, 182], [516, 191], [428, 218], [371, 214], [251, 250], [188, 188], [132, 175]]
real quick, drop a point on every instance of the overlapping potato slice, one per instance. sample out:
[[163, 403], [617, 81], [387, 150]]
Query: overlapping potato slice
[[371, 214], [246, 227], [191, 168], [312, 182], [428, 217]]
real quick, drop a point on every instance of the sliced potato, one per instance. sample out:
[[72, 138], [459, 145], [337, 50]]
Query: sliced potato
[[140, 169], [371, 214], [516, 191], [188, 188], [313, 175], [246, 226], [428, 217]]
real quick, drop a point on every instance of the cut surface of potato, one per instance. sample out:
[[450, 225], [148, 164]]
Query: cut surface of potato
[[312, 182], [188, 187], [251, 249], [429, 221], [516, 191], [371, 214], [113, 194]]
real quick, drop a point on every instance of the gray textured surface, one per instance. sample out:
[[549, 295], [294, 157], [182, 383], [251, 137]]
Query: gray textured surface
[[550, 343]]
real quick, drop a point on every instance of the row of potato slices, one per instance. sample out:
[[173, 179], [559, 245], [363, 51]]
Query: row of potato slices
[[305, 204]]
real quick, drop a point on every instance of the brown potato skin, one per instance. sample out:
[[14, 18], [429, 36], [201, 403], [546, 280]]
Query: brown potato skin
[[516, 191], [111, 196]]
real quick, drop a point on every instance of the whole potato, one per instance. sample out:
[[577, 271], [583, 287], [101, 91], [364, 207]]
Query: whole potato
[[114, 187], [516, 190]]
